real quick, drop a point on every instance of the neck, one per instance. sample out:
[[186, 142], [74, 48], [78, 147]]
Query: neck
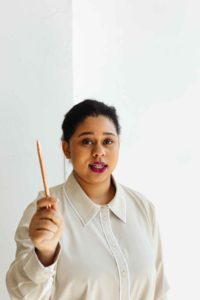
[[101, 193]]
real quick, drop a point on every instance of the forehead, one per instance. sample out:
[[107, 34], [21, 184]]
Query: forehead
[[99, 124]]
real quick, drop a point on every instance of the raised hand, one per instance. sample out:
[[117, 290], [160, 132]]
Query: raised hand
[[45, 230]]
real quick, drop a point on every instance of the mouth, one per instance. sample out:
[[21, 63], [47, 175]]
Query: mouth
[[98, 167]]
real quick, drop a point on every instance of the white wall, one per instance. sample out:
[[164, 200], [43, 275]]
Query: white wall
[[143, 57], [35, 93]]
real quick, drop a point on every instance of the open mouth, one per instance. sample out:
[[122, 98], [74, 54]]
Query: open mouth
[[98, 167]]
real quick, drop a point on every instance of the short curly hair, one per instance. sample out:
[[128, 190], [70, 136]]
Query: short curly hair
[[79, 112]]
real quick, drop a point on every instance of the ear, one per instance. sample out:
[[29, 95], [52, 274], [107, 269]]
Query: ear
[[66, 149]]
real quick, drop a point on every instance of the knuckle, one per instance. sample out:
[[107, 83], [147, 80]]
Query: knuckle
[[40, 200]]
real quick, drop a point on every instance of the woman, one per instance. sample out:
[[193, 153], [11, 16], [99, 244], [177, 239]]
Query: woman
[[93, 239]]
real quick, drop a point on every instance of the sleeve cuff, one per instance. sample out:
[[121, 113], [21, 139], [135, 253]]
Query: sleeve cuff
[[35, 270]]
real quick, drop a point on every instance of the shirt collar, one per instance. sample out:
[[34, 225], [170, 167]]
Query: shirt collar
[[85, 208], [118, 204]]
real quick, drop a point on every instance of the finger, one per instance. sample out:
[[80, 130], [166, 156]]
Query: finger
[[46, 225], [47, 203], [42, 235], [49, 214]]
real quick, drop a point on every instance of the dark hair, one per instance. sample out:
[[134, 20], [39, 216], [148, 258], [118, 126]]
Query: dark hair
[[79, 112]]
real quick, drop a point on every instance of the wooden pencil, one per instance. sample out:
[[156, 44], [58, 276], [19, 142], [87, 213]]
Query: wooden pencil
[[44, 178]]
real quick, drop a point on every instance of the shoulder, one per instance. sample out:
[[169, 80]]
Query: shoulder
[[54, 191], [141, 204]]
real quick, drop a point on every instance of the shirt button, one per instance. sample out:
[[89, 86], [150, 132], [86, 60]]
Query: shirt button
[[113, 245], [123, 273]]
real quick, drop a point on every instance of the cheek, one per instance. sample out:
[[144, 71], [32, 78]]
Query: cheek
[[79, 155], [114, 154], [117, 154]]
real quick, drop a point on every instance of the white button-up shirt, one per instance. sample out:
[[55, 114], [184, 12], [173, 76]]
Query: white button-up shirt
[[110, 252]]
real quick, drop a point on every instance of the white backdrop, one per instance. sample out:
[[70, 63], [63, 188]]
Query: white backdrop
[[35, 92], [141, 56]]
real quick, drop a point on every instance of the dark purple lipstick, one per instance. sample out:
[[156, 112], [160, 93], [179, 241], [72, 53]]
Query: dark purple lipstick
[[98, 167]]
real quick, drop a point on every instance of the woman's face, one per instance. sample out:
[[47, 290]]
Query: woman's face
[[93, 149]]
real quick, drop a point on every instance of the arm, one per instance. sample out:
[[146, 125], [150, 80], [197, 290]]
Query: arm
[[31, 275], [161, 282]]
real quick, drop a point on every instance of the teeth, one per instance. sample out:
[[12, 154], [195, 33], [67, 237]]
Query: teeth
[[98, 166]]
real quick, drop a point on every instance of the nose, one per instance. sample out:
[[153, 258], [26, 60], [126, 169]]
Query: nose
[[98, 151]]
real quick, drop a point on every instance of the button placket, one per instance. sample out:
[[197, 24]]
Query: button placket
[[117, 254]]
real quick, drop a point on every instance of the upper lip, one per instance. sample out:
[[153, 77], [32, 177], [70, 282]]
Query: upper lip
[[98, 163]]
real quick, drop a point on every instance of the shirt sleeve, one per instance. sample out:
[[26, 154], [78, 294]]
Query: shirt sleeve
[[27, 278], [161, 281]]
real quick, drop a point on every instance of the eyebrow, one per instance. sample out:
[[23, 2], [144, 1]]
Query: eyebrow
[[92, 133]]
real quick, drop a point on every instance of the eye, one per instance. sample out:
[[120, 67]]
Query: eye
[[86, 142], [108, 142]]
